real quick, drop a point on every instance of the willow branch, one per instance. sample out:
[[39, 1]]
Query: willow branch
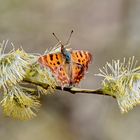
[[72, 90]]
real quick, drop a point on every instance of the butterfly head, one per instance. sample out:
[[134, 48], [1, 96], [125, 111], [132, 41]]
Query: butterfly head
[[65, 51]]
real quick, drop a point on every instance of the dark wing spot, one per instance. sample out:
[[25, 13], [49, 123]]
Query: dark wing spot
[[58, 62], [51, 57], [56, 56], [80, 53], [54, 64], [83, 60], [76, 54], [79, 60]]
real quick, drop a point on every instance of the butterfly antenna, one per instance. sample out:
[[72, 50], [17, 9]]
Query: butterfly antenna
[[56, 38], [68, 41]]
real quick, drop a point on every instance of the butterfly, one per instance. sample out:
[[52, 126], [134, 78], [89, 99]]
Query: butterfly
[[67, 66]]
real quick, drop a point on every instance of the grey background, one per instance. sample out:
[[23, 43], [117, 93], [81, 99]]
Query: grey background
[[109, 29]]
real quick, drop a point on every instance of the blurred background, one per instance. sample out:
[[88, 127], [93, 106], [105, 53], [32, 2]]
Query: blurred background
[[109, 29]]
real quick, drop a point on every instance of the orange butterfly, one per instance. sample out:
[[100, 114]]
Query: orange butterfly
[[68, 66]]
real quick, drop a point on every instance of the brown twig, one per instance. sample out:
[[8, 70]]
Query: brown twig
[[72, 90]]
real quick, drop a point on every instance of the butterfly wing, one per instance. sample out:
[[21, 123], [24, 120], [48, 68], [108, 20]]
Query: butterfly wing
[[56, 63], [81, 57], [80, 62], [78, 73]]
